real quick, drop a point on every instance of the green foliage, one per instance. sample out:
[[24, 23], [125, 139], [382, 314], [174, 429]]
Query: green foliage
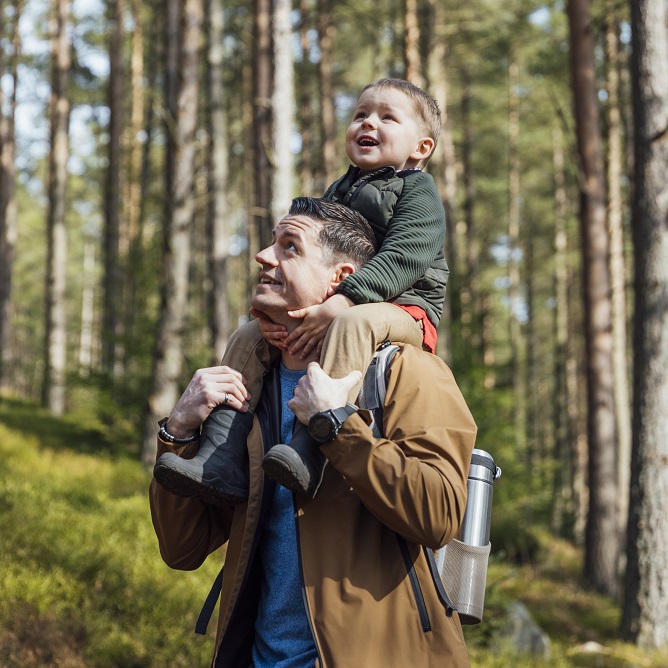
[[80, 571]]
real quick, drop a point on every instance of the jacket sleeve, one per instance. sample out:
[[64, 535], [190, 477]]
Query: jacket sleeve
[[415, 238], [188, 530], [413, 480]]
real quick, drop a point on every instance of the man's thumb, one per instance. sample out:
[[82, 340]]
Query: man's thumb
[[353, 378]]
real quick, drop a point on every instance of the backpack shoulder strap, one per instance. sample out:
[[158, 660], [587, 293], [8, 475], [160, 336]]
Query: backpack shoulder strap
[[374, 386]]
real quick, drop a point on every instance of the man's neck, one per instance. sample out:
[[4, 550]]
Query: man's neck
[[294, 363]]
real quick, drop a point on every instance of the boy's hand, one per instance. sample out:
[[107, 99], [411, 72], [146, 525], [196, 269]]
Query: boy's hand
[[317, 319], [273, 333]]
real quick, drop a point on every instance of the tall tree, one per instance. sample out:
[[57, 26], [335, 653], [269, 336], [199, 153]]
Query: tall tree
[[618, 267], [218, 184], [173, 309], [113, 274], [262, 122], [646, 591], [8, 208], [412, 59], [602, 534], [283, 110], [53, 391], [326, 35]]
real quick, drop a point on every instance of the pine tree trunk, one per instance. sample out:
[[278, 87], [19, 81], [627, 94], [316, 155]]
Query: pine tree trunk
[[283, 112], [644, 617], [218, 212], [514, 220], [8, 206], [89, 280], [412, 60], [602, 534], [113, 274], [53, 391], [326, 33], [442, 165], [306, 158], [262, 121], [176, 262], [618, 273]]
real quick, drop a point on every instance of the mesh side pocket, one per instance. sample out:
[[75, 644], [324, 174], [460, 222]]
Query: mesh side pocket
[[463, 570]]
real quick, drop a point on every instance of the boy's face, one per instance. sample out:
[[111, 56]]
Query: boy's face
[[385, 132]]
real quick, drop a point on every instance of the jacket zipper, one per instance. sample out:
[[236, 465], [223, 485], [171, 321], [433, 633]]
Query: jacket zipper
[[415, 584], [301, 580]]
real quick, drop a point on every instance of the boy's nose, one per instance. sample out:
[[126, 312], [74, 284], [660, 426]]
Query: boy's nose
[[369, 122]]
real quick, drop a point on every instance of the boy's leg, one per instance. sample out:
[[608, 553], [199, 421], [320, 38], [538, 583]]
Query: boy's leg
[[218, 473], [350, 344]]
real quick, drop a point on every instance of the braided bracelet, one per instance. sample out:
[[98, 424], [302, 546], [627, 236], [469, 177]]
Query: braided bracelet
[[166, 436]]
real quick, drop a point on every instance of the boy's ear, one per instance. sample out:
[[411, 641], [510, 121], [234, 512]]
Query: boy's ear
[[424, 149]]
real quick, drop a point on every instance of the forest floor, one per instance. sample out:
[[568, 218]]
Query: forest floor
[[84, 586]]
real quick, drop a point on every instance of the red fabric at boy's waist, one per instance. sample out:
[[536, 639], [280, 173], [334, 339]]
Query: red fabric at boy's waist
[[429, 331]]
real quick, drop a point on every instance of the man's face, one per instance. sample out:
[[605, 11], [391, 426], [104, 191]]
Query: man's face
[[384, 131], [295, 270]]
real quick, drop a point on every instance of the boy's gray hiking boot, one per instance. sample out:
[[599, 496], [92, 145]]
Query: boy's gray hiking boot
[[218, 473], [299, 466]]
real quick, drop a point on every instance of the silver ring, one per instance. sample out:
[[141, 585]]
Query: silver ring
[[226, 398]]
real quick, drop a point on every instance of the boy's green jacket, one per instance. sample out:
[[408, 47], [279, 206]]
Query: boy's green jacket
[[407, 217]]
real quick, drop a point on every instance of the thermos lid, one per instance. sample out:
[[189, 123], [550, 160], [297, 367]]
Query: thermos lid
[[483, 466]]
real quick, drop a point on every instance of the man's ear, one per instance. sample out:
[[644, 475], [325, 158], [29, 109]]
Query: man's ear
[[424, 149], [341, 272]]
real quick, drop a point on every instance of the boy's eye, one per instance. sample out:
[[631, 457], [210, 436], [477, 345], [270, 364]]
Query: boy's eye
[[360, 114], [388, 117]]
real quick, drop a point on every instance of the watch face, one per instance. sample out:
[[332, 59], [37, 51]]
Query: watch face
[[321, 427]]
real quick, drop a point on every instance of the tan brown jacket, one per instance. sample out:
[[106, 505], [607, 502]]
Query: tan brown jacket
[[370, 591]]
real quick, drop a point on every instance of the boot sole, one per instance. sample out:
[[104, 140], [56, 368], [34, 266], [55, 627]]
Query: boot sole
[[283, 465], [182, 484]]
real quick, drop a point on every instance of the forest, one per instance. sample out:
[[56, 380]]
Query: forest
[[147, 149]]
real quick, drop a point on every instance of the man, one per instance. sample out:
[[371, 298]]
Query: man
[[347, 578]]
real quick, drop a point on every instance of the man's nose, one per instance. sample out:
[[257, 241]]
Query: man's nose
[[266, 256]]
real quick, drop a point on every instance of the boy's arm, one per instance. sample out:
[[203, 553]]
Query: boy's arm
[[415, 237]]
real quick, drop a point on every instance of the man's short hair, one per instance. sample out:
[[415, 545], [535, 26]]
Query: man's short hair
[[426, 108], [347, 236]]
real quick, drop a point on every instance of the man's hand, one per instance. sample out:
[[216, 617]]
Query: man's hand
[[273, 333], [317, 391], [317, 319], [207, 389]]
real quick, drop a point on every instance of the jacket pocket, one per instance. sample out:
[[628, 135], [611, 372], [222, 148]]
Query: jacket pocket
[[415, 584]]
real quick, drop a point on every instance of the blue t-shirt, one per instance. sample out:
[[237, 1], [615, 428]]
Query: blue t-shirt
[[283, 637]]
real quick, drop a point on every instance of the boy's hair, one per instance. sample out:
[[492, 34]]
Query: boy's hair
[[347, 235], [426, 108]]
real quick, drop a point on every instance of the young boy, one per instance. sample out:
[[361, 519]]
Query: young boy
[[391, 137]]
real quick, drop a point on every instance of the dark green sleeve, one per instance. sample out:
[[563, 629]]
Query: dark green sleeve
[[414, 239]]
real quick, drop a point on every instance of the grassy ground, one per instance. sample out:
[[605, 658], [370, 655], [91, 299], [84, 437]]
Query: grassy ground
[[83, 585]]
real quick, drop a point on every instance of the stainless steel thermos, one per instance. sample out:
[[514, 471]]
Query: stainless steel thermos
[[462, 563]]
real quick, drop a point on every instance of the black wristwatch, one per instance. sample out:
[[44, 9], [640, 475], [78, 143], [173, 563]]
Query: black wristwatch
[[324, 426]]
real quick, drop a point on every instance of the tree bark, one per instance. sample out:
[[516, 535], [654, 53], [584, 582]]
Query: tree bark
[[218, 184], [442, 165], [602, 535], [283, 110], [306, 158], [8, 206], [412, 59], [113, 274], [176, 262], [646, 588], [514, 247], [262, 121], [326, 34], [53, 391], [618, 272]]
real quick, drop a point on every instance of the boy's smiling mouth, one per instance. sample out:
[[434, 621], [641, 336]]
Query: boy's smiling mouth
[[367, 141]]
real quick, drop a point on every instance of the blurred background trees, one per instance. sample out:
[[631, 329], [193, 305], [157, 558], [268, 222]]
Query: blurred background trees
[[160, 141]]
